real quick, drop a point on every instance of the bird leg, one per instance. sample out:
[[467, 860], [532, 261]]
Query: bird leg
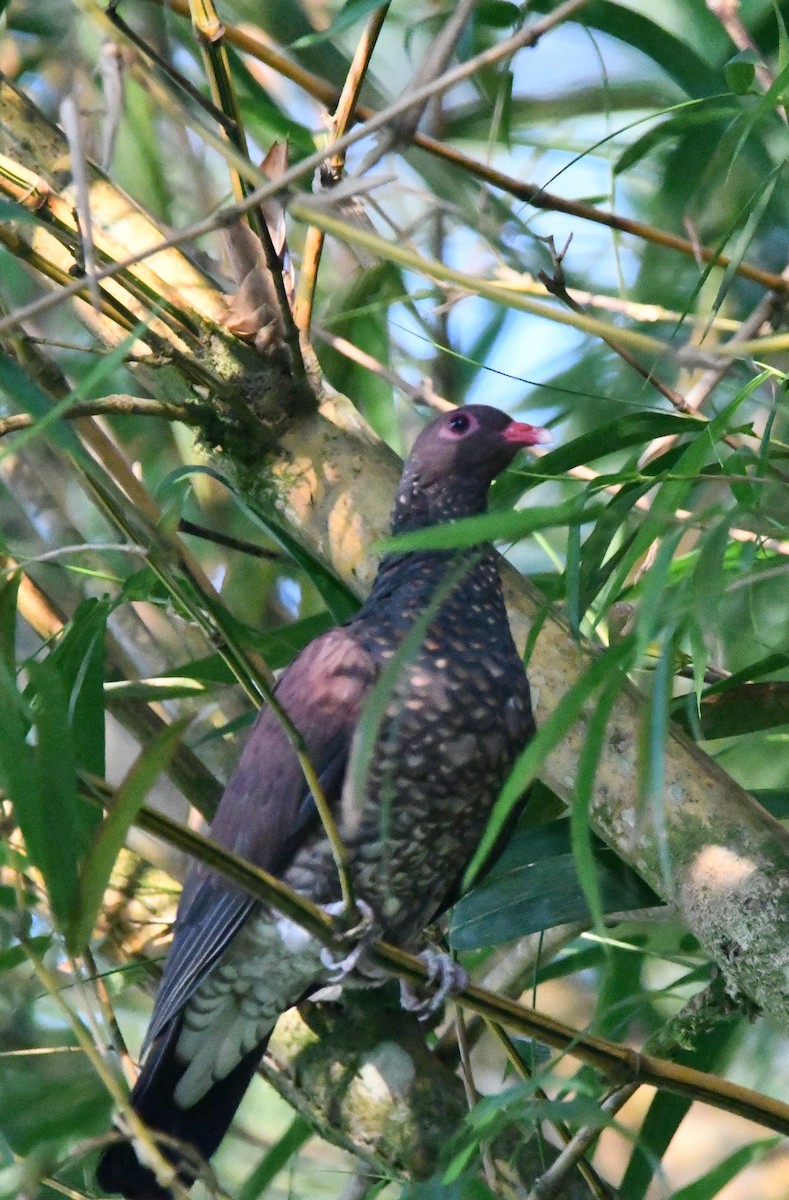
[[360, 936], [445, 978]]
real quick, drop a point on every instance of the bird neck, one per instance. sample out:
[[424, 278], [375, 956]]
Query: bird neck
[[418, 507]]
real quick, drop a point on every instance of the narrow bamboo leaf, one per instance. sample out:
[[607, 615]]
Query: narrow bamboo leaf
[[100, 859], [535, 886], [9, 589], [597, 560], [671, 128], [350, 13], [48, 801], [547, 737], [744, 238], [467, 1186], [672, 493], [654, 594], [78, 657], [712, 1183], [24, 393], [651, 759], [632, 429], [583, 850], [492, 526], [280, 1154], [164, 687], [764, 107], [572, 571], [666, 1112], [745, 709], [783, 37], [499, 14], [707, 584], [14, 955], [338, 598], [675, 53]]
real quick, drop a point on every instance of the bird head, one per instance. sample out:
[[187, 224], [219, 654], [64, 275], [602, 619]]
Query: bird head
[[454, 461]]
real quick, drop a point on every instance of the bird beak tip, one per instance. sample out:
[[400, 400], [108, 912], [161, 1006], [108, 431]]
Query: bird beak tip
[[521, 434]]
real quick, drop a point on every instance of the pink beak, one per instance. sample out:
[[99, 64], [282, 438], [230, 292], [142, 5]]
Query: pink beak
[[525, 435]]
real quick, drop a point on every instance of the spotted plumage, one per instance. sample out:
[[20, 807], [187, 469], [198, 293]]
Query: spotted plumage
[[432, 652]]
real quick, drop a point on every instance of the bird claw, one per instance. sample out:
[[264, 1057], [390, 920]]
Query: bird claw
[[362, 935], [445, 976]]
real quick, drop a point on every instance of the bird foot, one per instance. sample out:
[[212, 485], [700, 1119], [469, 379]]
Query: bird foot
[[445, 977], [362, 935]]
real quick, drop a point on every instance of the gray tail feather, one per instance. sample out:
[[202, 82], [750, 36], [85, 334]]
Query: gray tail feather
[[202, 1126]]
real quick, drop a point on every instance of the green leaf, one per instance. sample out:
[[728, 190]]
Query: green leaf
[[46, 799], [765, 106], [156, 689], [100, 859], [745, 236], [677, 55], [633, 429], [599, 672], [498, 14], [467, 1186], [339, 598], [674, 491], [712, 1183], [652, 750], [740, 71], [280, 1154], [672, 128], [535, 885], [492, 526], [9, 589], [743, 710], [78, 657], [583, 847], [15, 955], [666, 1112], [350, 13]]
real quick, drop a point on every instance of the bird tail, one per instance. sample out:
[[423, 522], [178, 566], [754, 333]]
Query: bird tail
[[200, 1127]]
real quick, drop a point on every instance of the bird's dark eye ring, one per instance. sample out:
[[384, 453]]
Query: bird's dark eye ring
[[459, 422]]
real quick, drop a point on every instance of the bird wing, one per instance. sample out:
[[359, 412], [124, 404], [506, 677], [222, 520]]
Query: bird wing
[[267, 806]]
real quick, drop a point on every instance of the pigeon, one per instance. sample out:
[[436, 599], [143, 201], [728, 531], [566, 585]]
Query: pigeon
[[410, 809]]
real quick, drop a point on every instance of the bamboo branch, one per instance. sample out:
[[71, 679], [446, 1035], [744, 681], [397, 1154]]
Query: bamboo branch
[[620, 1062], [531, 193]]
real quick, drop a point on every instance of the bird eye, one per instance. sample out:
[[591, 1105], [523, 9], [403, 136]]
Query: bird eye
[[459, 422]]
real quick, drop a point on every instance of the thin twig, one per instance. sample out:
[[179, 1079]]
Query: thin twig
[[701, 1010], [398, 254], [331, 174], [531, 193], [472, 1095], [210, 34], [420, 394], [434, 63], [556, 284], [701, 391], [117, 405], [597, 1187], [618, 1061], [226, 539], [162, 1168]]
